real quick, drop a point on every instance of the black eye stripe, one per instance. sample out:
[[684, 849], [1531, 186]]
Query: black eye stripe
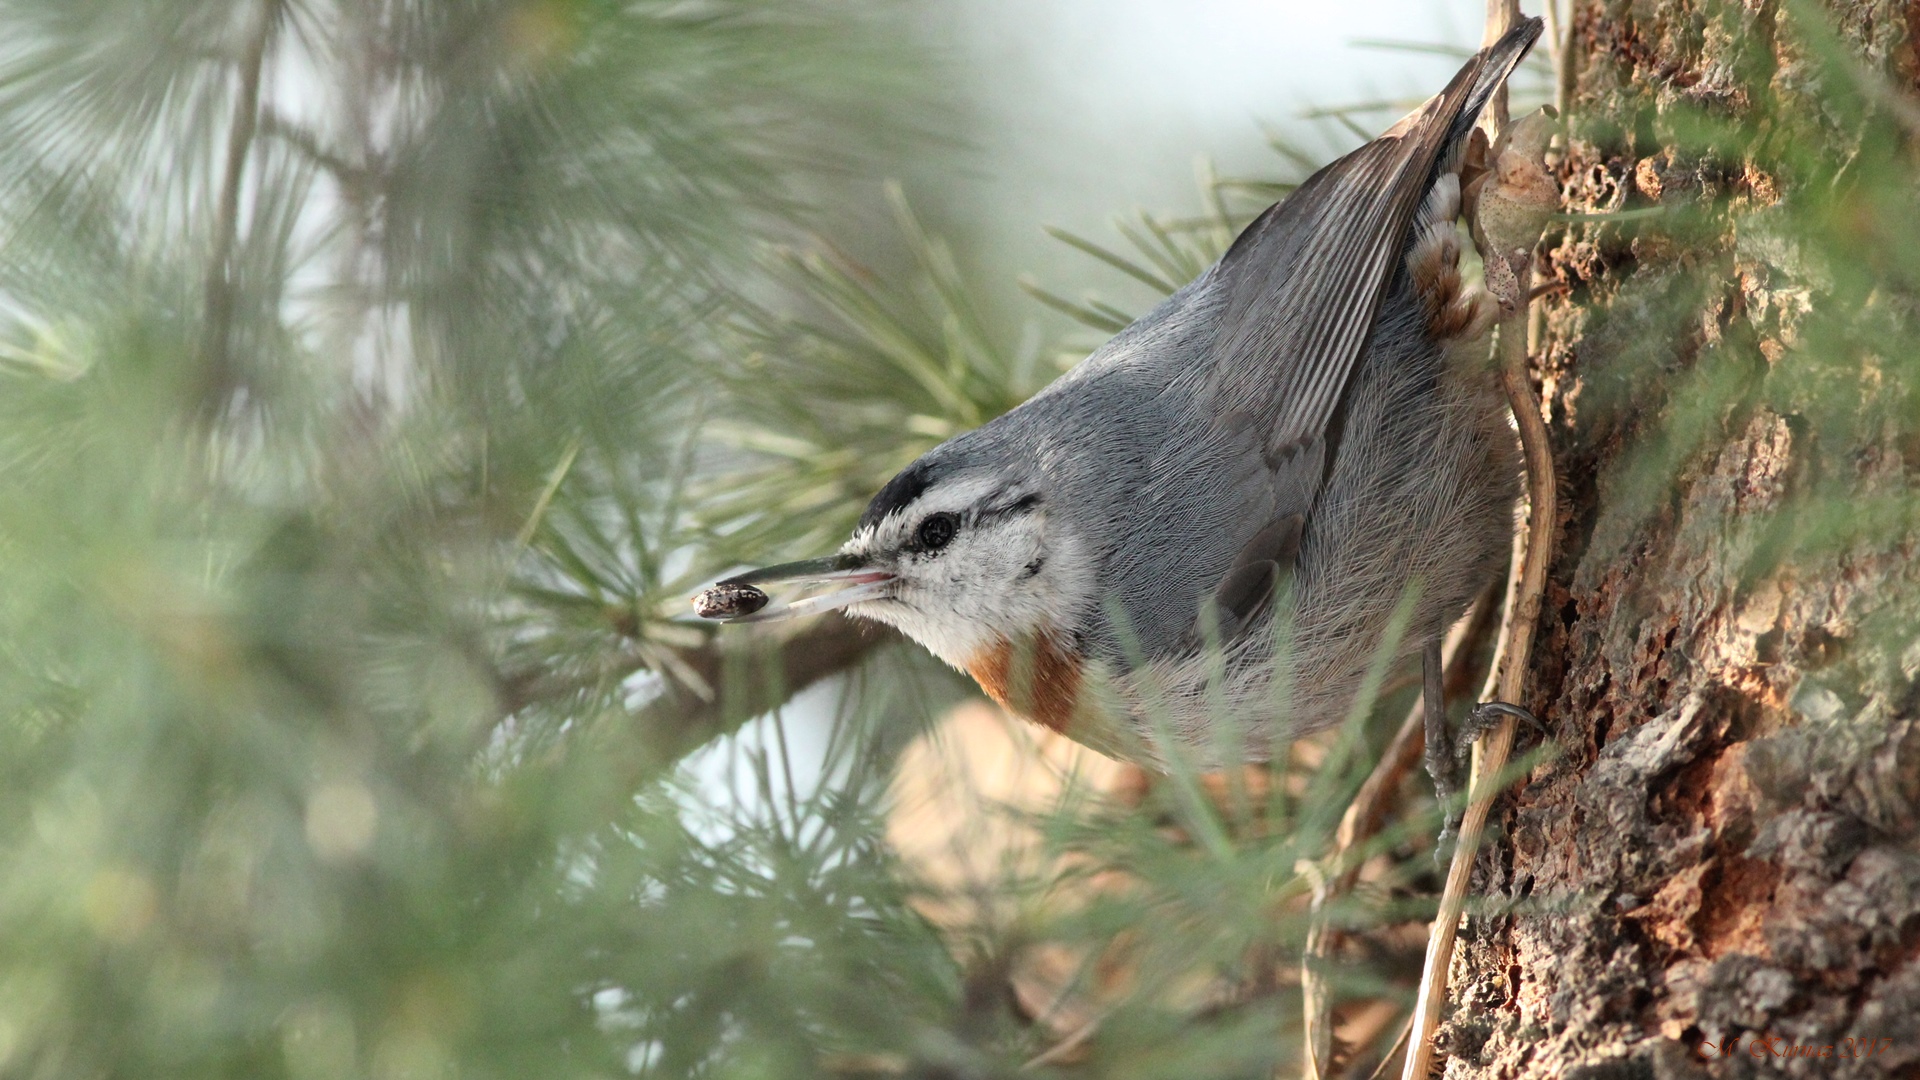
[[1025, 504], [937, 530]]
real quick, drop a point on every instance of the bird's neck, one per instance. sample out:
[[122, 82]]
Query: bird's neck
[[1038, 676]]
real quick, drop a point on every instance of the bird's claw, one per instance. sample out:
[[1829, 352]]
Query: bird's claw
[[1446, 759], [1484, 718]]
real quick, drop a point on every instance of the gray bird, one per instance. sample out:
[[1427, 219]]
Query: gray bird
[[1203, 530]]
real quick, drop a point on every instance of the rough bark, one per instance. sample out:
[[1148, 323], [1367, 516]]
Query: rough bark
[[1720, 868]]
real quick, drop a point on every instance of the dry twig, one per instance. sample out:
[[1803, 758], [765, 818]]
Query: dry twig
[[1531, 554], [1361, 821]]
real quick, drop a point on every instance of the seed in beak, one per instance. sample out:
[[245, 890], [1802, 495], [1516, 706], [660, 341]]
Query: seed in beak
[[729, 601]]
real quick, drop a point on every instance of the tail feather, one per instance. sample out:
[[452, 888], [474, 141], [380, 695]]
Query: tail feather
[[1494, 63]]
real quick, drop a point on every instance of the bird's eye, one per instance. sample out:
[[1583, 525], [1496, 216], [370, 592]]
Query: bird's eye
[[937, 531]]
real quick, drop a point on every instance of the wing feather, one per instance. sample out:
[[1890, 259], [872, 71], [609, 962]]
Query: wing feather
[[1306, 280]]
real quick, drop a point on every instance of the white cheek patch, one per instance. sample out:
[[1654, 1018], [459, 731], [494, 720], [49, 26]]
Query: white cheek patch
[[1003, 578], [1003, 582], [955, 642]]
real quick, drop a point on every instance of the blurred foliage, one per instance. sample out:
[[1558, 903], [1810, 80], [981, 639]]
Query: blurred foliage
[[378, 377]]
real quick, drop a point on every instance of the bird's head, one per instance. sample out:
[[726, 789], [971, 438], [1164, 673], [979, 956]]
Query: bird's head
[[962, 557]]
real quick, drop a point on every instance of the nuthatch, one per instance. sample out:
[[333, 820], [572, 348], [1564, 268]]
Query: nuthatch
[[1217, 514]]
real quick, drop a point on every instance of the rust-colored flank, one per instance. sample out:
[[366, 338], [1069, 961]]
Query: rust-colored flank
[[1041, 683], [1452, 310]]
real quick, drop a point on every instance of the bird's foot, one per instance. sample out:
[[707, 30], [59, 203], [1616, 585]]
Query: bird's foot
[[1484, 718], [1446, 760], [1444, 766]]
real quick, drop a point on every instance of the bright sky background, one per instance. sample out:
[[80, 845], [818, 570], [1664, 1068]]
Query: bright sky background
[[1082, 109]]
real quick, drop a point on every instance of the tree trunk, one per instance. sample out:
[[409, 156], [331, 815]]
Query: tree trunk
[[1718, 875]]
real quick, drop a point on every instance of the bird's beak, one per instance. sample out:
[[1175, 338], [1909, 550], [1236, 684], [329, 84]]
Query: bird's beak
[[850, 577]]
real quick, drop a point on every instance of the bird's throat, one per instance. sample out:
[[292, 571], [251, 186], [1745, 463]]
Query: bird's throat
[[1038, 677]]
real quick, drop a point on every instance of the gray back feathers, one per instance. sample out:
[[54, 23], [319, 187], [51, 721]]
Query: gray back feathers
[[1285, 413]]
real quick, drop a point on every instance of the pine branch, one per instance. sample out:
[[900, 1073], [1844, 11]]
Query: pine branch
[[218, 377], [682, 718], [304, 140]]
